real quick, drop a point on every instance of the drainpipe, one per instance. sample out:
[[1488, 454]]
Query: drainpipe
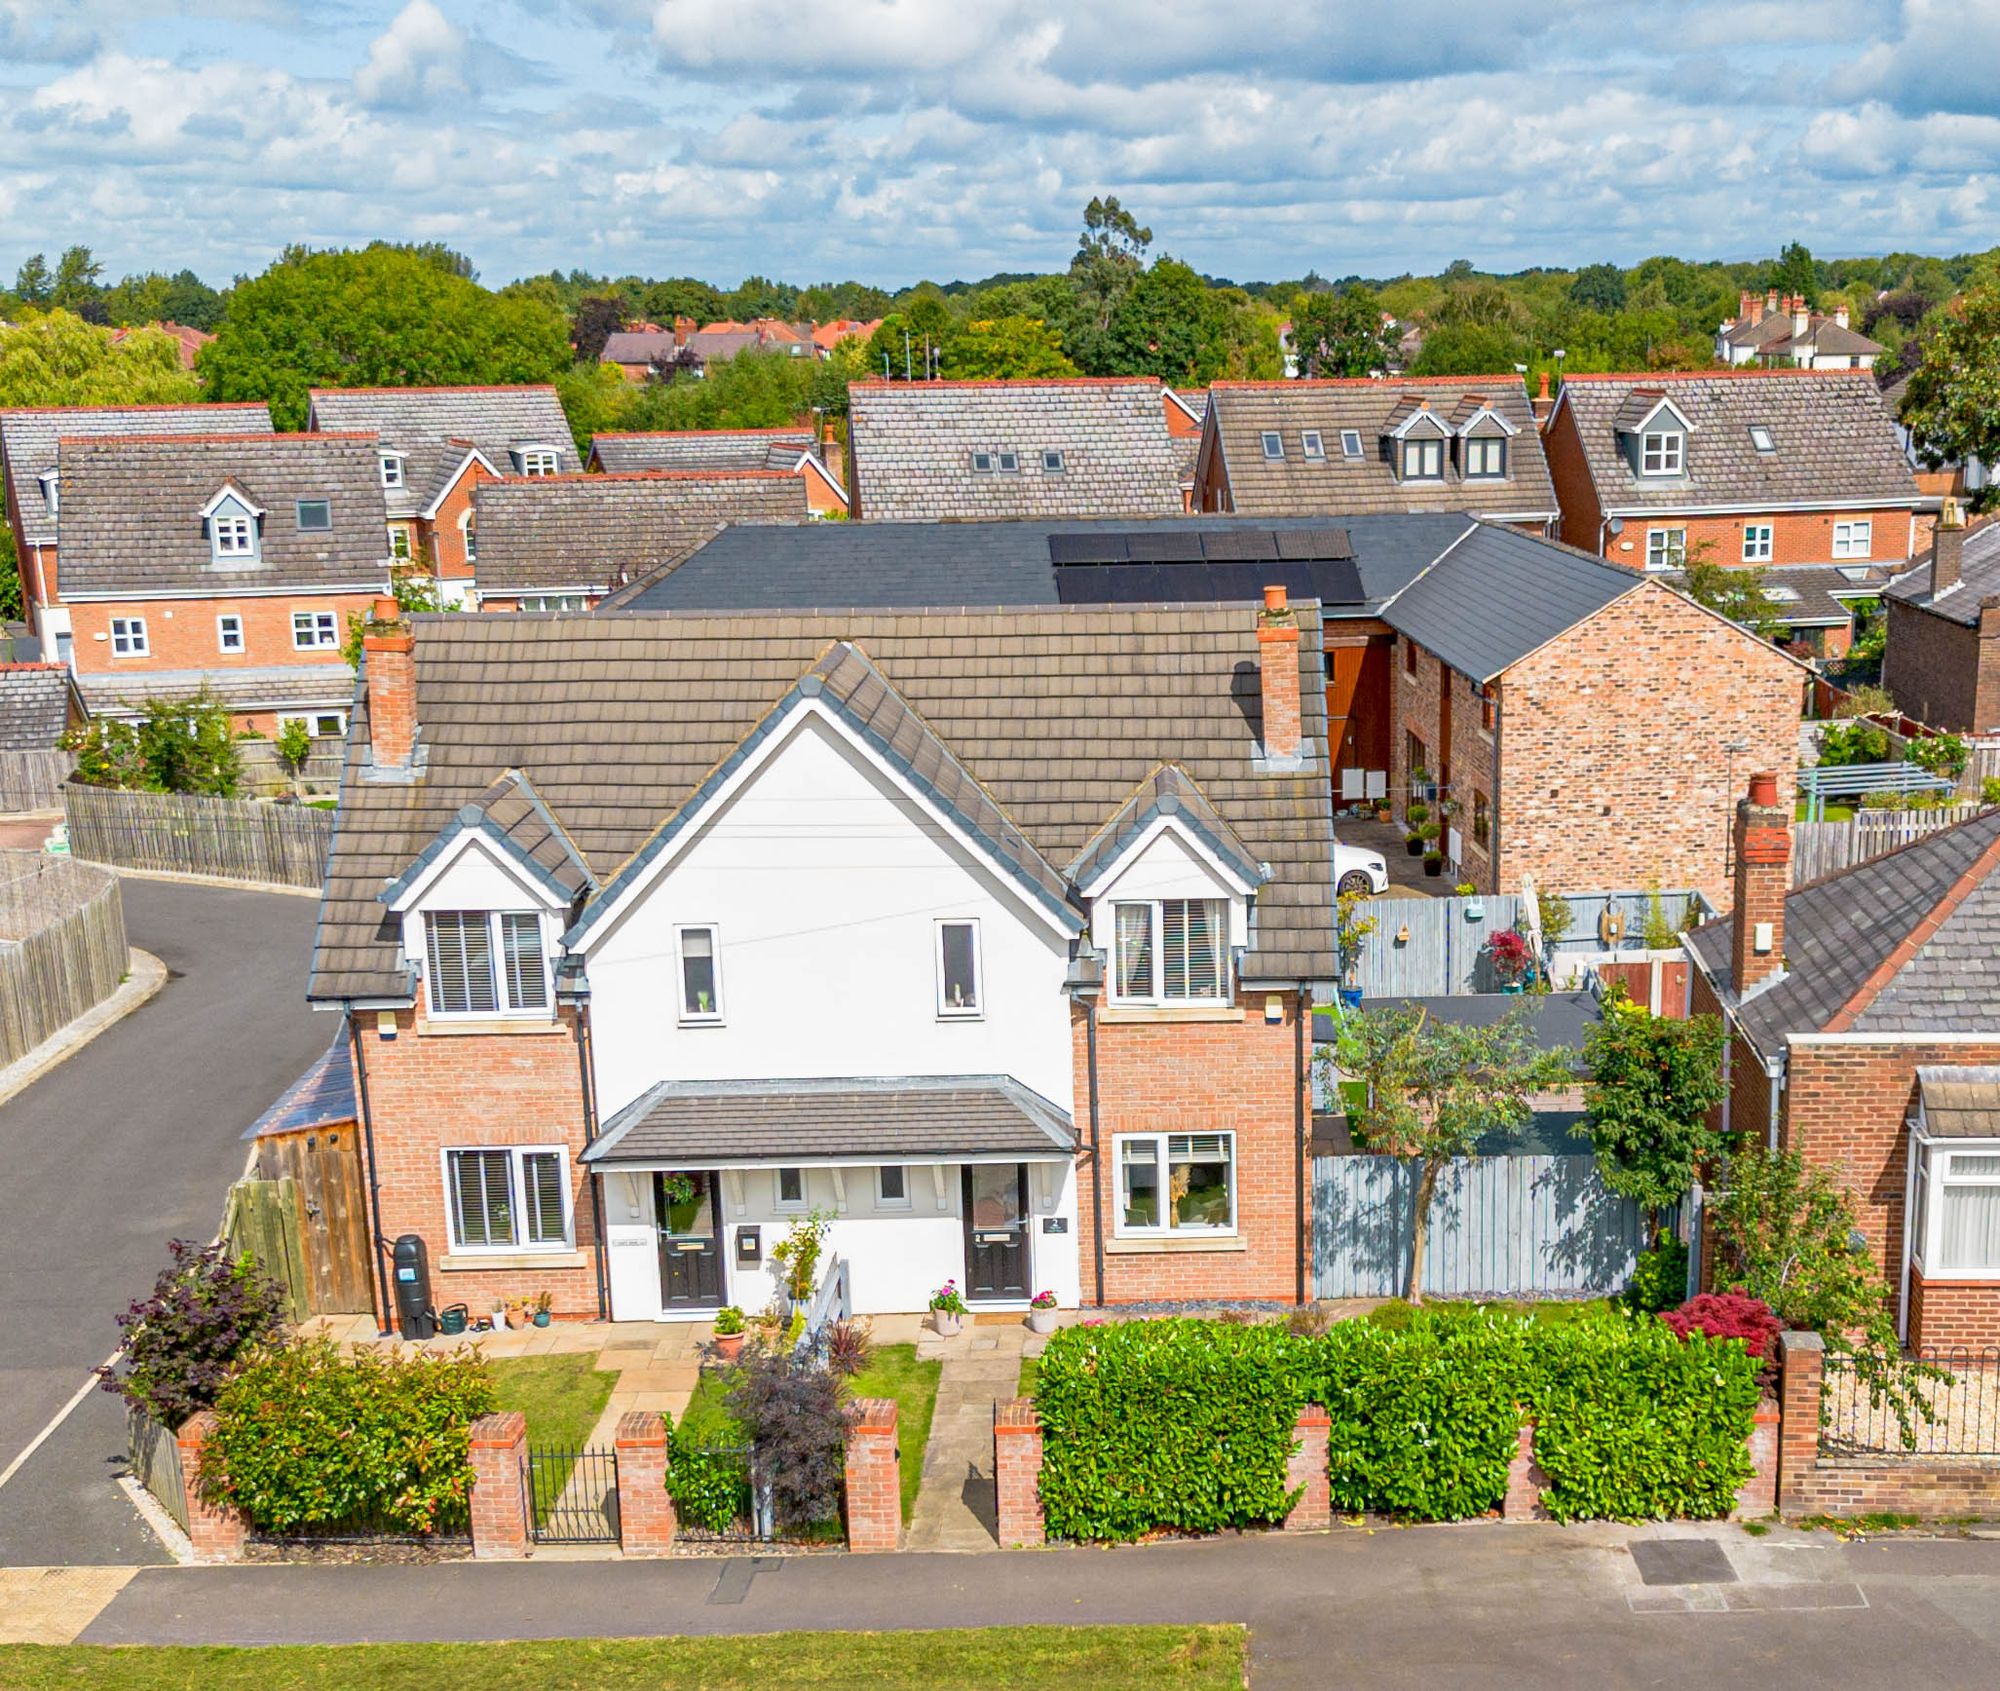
[[376, 1270], [1096, 1150], [1909, 1238], [601, 1268], [1777, 1086], [1303, 1168]]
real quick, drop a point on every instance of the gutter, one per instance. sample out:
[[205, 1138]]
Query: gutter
[[1303, 1166], [588, 1093]]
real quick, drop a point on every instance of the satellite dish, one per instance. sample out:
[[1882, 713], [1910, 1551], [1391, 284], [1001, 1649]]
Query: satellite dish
[[1617, 525]]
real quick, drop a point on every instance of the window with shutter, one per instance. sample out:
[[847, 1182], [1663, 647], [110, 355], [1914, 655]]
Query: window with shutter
[[527, 979], [1135, 950], [1176, 1183], [1172, 952], [542, 1187], [482, 1197], [461, 957], [508, 1199]]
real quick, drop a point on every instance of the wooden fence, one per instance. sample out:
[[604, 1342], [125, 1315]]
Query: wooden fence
[[265, 774], [156, 1462], [321, 1168], [62, 946], [281, 845], [33, 780], [1825, 848], [262, 1219]]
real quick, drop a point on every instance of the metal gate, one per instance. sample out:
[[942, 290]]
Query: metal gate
[[572, 1495], [716, 1495]]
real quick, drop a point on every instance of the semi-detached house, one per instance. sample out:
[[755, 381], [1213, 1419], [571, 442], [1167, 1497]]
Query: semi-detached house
[[992, 934]]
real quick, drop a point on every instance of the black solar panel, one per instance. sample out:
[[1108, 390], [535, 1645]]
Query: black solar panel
[[1106, 548], [1239, 543], [1314, 543], [1165, 546], [1337, 581]]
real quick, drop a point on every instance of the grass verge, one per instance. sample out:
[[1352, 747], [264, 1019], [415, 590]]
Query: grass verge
[[1015, 1658]]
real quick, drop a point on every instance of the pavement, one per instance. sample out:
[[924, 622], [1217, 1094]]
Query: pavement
[[129, 1143]]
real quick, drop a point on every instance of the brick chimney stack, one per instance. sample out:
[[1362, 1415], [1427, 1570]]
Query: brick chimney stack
[[1278, 672], [389, 660], [1771, 303], [1749, 309], [1763, 877], [1801, 317], [1947, 546]]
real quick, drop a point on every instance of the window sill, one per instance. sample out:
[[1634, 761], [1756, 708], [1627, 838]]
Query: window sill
[[1987, 1282], [1135, 1014], [701, 1022], [1173, 1247], [532, 1026], [458, 1262]]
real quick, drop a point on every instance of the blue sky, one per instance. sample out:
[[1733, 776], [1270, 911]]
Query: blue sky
[[897, 139]]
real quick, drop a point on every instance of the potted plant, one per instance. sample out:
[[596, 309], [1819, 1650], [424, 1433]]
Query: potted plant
[[539, 1306], [728, 1332], [1042, 1313], [948, 1310], [1434, 863], [1511, 957], [1382, 812]]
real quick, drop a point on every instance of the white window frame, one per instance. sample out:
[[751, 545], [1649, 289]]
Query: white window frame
[[232, 536], [982, 463], [790, 1206], [517, 1156], [1007, 462], [1662, 452], [1484, 446], [1666, 548], [553, 602], [51, 481], [229, 635], [1419, 449], [1762, 440], [882, 1199], [697, 1018], [1274, 445], [316, 725], [1312, 444], [1935, 1160], [504, 1006], [1854, 538], [392, 469], [128, 638], [959, 1012], [1166, 1228], [1053, 462], [1350, 444], [541, 461], [1158, 998], [1759, 541], [315, 631], [468, 536], [399, 540]]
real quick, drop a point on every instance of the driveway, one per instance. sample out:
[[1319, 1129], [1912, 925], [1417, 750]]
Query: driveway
[[130, 1143]]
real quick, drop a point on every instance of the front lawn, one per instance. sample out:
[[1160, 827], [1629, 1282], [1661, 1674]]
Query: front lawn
[[1190, 1658], [562, 1396]]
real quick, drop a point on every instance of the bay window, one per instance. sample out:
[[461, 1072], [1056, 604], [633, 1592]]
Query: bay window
[[485, 962], [1176, 1183], [1956, 1228], [1171, 951], [508, 1199]]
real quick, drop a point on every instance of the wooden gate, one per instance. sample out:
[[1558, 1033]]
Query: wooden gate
[[263, 1221], [321, 1168]]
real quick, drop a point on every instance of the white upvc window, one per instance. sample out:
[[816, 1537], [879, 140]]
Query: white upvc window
[[229, 633], [1423, 459], [1175, 1184], [392, 469], [1274, 444], [1312, 443], [1956, 1230], [485, 963], [540, 461], [1662, 452], [892, 1187], [1485, 457], [553, 602], [1854, 539], [128, 637], [1171, 951], [233, 536], [699, 948], [1666, 548], [958, 969], [313, 631], [508, 1198], [1350, 443], [321, 725], [1757, 540], [788, 1191], [468, 533], [399, 541]]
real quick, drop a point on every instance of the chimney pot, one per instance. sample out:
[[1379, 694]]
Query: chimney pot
[[1764, 788], [1275, 596], [386, 610], [1278, 676]]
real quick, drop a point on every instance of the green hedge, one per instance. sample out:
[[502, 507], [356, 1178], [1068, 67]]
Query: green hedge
[[1184, 1424]]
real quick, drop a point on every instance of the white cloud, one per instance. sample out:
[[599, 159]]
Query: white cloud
[[419, 58]]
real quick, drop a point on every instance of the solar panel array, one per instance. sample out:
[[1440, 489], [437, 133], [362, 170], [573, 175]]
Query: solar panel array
[[1189, 566]]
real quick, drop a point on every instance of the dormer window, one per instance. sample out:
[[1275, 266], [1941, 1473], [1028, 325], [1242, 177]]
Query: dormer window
[[1423, 459], [1662, 452], [1484, 457], [51, 481], [232, 528], [540, 461], [235, 537], [485, 963], [392, 469], [1171, 951]]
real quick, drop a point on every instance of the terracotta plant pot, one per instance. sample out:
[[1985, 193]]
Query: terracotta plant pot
[[729, 1346]]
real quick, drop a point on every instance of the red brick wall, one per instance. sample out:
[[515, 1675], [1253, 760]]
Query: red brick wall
[[442, 535], [1945, 1313], [1582, 517], [1017, 1474], [1797, 537], [1416, 707], [1942, 672], [1198, 1077], [429, 1092], [182, 632]]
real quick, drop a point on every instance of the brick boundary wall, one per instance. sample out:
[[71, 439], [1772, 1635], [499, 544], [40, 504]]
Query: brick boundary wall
[[1305, 1472], [1525, 1480], [216, 1531], [874, 1479], [646, 1519], [500, 1486]]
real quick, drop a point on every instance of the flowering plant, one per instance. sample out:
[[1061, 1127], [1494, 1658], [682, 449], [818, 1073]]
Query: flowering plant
[[1511, 957], [1042, 1300], [948, 1300]]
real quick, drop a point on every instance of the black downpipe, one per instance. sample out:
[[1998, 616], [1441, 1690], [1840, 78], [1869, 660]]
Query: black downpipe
[[1096, 1150], [376, 1271], [1299, 1080], [596, 1180]]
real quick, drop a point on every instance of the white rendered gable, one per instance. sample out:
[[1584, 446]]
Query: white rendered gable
[[1167, 863]]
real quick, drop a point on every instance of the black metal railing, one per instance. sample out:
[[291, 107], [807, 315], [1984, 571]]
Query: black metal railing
[[714, 1488], [1959, 1414], [572, 1494], [371, 1526]]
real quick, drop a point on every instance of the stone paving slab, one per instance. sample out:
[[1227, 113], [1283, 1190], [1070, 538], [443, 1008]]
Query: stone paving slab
[[54, 1605]]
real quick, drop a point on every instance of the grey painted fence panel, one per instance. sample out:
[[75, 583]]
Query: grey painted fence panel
[[1514, 1227]]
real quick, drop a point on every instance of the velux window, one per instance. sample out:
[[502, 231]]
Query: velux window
[[1172, 951], [485, 962], [1176, 1183], [1312, 443], [510, 1199], [1274, 444]]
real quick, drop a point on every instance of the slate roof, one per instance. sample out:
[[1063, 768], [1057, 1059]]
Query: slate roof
[[1834, 439], [1841, 929], [1055, 715], [1773, 337], [436, 427], [803, 1121], [701, 449], [1960, 1103], [28, 442], [131, 521], [1978, 577], [1826, 592], [637, 346], [599, 531], [1240, 413], [911, 447], [326, 686], [35, 701]]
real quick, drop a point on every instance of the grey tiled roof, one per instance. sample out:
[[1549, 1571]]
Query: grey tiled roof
[[1978, 577], [1055, 715], [34, 705], [1826, 592], [1960, 1103], [436, 427], [1165, 792], [1834, 439], [701, 449], [1240, 413], [28, 442], [912, 443], [1841, 929], [510, 813], [131, 519], [702, 1122], [326, 686], [599, 531]]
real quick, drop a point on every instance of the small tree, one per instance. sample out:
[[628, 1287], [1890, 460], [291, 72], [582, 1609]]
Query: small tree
[[1732, 590], [1556, 917], [178, 1345], [1351, 925], [1435, 1088], [1653, 1082], [294, 745], [792, 1410]]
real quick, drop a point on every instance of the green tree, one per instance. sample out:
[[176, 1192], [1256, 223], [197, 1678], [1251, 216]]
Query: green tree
[[76, 279], [32, 282], [1110, 257], [383, 316], [682, 296], [1653, 1081], [183, 745], [1004, 348], [1436, 1088], [1952, 404], [1340, 334], [1795, 273], [182, 298], [1736, 591], [1170, 324], [1599, 287], [1470, 349], [595, 321]]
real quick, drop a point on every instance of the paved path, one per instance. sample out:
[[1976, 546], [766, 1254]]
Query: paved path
[[955, 1508], [132, 1141], [1547, 1607]]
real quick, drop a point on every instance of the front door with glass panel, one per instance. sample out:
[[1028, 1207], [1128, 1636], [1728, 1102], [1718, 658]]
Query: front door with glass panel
[[996, 1231], [690, 1253]]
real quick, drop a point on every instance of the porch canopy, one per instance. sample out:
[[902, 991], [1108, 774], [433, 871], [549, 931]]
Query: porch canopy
[[702, 1124]]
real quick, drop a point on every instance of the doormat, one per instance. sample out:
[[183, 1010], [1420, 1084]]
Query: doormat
[[1000, 1318]]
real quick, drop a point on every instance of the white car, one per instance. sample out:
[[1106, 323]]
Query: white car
[[1358, 870]]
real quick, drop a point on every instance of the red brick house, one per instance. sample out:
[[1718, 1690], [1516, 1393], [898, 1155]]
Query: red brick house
[[658, 933], [1863, 1011], [1941, 662]]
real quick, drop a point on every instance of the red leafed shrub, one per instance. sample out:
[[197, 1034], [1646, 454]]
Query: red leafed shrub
[[1729, 1315], [1510, 954]]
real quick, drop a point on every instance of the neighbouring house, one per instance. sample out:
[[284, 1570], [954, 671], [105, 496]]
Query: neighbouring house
[[1579, 716], [1443, 443], [641, 354], [1184, 413], [437, 445], [911, 919], [793, 449], [1775, 469], [1956, 478], [1787, 332], [1941, 662], [39, 703], [1083, 446], [560, 543], [827, 336], [187, 342], [231, 562], [28, 440], [1863, 1011]]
